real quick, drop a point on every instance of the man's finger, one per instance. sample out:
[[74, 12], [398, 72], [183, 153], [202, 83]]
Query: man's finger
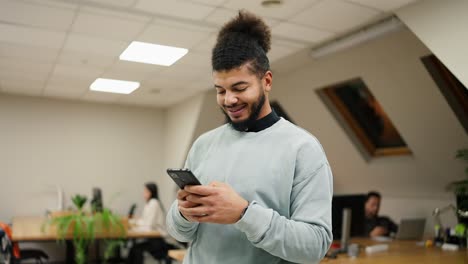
[[198, 199], [194, 211], [181, 194], [201, 189], [188, 204]]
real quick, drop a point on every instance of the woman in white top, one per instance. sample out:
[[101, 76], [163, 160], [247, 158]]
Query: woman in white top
[[152, 218]]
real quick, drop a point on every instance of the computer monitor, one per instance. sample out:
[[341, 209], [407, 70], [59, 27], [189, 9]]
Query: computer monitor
[[358, 219], [96, 202]]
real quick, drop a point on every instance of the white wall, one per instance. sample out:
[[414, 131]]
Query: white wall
[[441, 25], [179, 124], [211, 115], [76, 145]]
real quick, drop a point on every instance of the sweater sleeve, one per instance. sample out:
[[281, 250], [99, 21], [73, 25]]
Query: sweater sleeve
[[306, 235], [178, 227]]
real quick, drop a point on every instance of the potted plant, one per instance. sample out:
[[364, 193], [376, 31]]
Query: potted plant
[[82, 226], [460, 189]]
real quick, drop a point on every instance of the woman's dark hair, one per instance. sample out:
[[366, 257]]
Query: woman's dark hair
[[244, 39], [153, 188]]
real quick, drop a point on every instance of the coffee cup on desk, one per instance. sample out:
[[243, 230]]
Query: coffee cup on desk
[[353, 250]]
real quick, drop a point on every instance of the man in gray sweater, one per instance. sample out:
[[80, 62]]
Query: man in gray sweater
[[267, 184]]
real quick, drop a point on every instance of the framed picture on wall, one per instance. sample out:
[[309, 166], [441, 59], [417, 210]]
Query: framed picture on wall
[[363, 118]]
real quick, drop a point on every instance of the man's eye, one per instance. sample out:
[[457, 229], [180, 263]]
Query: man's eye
[[221, 92]]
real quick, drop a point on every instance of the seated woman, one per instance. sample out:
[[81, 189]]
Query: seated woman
[[152, 218]]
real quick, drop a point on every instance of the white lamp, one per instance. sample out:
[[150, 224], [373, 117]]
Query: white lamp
[[358, 37]]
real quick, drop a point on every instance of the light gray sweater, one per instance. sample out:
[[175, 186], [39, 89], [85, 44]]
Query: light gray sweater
[[284, 173]]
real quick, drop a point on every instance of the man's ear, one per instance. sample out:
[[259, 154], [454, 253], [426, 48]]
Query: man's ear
[[267, 81]]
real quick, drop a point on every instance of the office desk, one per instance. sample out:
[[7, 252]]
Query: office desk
[[29, 229], [399, 252], [402, 252]]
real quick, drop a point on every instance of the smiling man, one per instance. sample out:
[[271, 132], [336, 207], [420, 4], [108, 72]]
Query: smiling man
[[268, 191]]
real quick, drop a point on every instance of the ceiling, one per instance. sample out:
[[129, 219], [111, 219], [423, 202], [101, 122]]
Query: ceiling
[[57, 48]]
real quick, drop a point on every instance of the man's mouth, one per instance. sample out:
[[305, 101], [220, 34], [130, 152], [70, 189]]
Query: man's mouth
[[236, 111]]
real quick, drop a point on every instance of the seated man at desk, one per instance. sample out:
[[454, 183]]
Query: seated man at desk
[[377, 225]]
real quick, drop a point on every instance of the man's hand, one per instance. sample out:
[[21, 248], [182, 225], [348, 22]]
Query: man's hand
[[378, 231], [215, 203], [182, 202]]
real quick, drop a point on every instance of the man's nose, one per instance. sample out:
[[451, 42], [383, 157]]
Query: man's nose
[[230, 98]]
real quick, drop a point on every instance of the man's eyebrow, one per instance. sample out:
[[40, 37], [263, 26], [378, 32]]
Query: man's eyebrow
[[233, 85]]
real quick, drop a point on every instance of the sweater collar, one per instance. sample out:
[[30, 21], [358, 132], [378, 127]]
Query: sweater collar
[[263, 123]]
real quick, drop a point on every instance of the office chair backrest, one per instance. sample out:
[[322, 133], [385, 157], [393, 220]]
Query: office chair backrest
[[7, 247]]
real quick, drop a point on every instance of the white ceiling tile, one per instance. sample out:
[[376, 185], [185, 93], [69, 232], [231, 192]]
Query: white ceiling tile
[[135, 66], [94, 96], [208, 2], [31, 14], [185, 73], [383, 5], [19, 75], [175, 8], [149, 100], [24, 66], [119, 3], [163, 82], [28, 52], [195, 59], [62, 91], [73, 4], [80, 59], [334, 15], [220, 16], [112, 25], [132, 71], [284, 11], [298, 32], [95, 45], [31, 36], [25, 87], [70, 81], [206, 45], [282, 48], [164, 34], [86, 72]]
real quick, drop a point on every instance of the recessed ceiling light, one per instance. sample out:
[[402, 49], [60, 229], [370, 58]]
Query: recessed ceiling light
[[113, 86], [152, 53]]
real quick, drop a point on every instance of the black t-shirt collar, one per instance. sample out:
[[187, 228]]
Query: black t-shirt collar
[[264, 122]]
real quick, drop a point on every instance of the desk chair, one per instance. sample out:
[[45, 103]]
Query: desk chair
[[12, 253]]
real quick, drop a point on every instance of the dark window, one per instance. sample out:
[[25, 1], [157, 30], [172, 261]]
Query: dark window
[[453, 90], [363, 118]]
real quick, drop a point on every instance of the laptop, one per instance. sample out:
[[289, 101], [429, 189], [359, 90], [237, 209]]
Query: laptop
[[411, 229]]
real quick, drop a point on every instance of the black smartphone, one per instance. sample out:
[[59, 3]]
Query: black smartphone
[[183, 177]]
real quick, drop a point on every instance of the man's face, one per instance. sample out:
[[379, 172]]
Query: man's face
[[242, 96], [372, 207]]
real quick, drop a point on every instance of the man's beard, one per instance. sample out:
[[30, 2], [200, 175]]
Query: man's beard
[[254, 113]]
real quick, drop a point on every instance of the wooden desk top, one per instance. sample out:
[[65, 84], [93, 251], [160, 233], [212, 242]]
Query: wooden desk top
[[398, 252], [30, 229], [402, 252]]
